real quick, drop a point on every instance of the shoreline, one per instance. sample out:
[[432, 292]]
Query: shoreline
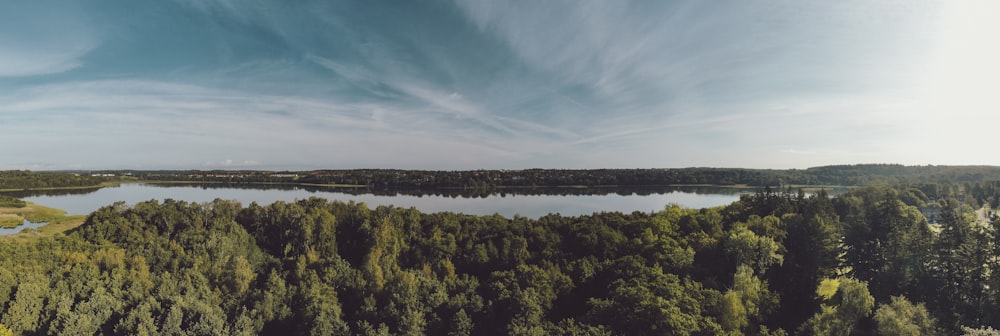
[[58, 221], [99, 186], [338, 185]]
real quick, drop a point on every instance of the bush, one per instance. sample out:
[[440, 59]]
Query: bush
[[11, 202]]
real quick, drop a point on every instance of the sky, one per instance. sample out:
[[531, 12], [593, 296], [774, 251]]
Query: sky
[[438, 84]]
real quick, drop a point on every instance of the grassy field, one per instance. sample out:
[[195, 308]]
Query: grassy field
[[58, 220]]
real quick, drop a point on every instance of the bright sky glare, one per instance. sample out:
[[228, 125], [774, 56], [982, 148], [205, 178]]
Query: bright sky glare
[[438, 84]]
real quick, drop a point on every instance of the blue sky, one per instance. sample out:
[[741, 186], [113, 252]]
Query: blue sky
[[221, 84]]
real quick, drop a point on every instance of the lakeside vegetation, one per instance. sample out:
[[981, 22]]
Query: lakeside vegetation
[[11, 202], [14, 180], [10, 220], [57, 219]]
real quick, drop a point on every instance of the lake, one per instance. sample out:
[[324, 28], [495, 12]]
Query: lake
[[567, 202]]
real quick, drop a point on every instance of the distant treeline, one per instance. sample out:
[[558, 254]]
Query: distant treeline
[[524, 181], [26, 179], [453, 192], [391, 179]]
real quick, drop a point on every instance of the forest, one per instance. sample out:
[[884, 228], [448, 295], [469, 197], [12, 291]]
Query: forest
[[393, 179], [13, 180], [772, 263], [527, 181]]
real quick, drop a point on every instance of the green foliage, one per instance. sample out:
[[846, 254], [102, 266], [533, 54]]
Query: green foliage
[[887, 242], [10, 220], [840, 314], [828, 288], [749, 301], [987, 331], [774, 261], [961, 260], [11, 202], [734, 313], [747, 248], [24, 180], [24, 311], [899, 317]]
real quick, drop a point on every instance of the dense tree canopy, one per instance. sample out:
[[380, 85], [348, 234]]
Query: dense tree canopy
[[773, 263]]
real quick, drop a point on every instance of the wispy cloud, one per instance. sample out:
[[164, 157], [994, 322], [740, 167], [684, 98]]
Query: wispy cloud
[[27, 62], [471, 84], [43, 40], [155, 118]]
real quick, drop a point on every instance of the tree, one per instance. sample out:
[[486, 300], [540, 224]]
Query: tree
[[241, 275], [747, 303], [813, 253], [960, 261], [899, 317], [887, 242], [139, 320], [320, 309], [747, 248], [839, 315], [733, 313], [23, 313], [650, 302], [462, 324]]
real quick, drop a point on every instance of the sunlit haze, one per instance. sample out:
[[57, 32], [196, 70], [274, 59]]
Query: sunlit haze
[[197, 84]]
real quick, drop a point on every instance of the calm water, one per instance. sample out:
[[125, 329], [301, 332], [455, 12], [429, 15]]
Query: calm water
[[25, 225], [506, 205]]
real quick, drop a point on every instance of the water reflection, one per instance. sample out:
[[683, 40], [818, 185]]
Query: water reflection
[[474, 193], [56, 192], [530, 202]]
